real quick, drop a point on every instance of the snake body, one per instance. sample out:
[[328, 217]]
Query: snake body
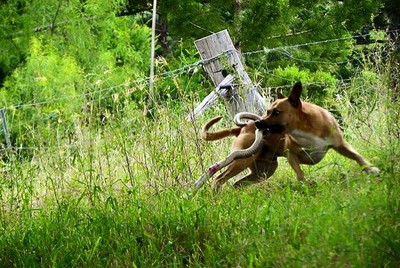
[[239, 120]]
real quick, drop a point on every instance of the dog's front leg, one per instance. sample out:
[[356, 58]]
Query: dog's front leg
[[294, 162]]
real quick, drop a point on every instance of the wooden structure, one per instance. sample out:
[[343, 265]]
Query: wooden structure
[[222, 63]]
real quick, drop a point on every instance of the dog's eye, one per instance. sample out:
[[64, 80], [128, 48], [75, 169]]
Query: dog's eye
[[275, 112]]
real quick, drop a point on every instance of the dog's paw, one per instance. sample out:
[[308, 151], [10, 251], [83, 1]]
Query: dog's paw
[[372, 170]]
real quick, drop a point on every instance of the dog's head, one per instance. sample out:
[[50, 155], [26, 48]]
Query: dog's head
[[284, 112]]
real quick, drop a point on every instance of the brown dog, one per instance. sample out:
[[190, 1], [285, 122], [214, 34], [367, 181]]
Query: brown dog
[[300, 131], [262, 164]]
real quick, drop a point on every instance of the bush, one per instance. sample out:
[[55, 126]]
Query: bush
[[42, 93]]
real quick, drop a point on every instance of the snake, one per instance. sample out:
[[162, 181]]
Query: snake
[[238, 154]]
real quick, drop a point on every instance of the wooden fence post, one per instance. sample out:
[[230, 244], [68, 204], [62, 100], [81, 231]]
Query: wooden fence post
[[220, 59]]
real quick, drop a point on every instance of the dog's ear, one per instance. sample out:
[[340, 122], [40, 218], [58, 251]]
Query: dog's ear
[[295, 94], [279, 94]]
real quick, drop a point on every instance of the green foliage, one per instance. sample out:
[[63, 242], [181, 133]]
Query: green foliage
[[84, 31], [113, 199], [263, 19], [36, 94], [189, 20], [255, 23], [319, 86], [112, 195], [82, 58], [173, 82], [103, 180]]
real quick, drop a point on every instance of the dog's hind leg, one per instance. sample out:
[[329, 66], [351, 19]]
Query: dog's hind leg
[[348, 151], [260, 171], [232, 170]]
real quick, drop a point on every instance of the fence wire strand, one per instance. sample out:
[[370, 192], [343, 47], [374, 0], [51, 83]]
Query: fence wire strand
[[284, 50], [189, 67]]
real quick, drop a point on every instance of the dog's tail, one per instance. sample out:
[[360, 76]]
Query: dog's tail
[[220, 134]]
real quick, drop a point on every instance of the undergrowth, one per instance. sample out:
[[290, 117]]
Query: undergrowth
[[110, 195]]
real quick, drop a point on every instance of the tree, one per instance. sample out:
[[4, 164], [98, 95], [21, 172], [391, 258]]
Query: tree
[[73, 52], [253, 23], [83, 29]]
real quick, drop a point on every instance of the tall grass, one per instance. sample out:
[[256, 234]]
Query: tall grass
[[110, 196]]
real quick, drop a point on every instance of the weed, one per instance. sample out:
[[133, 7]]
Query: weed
[[109, 195]]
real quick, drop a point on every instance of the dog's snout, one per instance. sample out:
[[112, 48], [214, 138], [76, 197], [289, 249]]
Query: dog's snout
[[268, 127], [262, 125], [259, 124]]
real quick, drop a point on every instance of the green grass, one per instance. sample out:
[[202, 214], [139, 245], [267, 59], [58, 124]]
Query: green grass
[[110, 197], [333, 224]]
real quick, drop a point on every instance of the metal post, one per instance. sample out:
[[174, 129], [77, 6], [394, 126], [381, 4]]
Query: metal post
[[153, 44], [5, 129]]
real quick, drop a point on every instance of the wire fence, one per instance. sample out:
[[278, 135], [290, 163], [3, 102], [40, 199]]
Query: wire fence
[[284, 50], [186, 69]]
